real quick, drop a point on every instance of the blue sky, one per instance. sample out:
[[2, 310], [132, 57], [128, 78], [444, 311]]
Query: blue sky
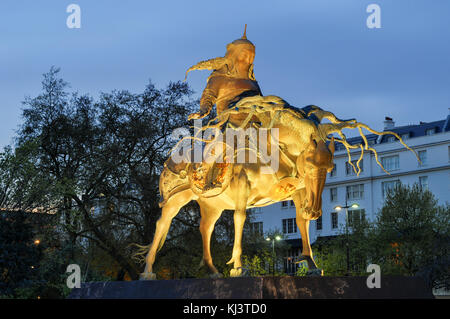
[[307, 52]]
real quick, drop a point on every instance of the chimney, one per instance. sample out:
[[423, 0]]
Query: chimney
[[447, 123], [388, 123]]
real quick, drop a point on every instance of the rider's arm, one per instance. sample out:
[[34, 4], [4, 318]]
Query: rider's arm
[[209, 97]]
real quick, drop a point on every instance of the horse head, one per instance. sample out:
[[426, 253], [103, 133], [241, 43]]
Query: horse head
[[313, 164]]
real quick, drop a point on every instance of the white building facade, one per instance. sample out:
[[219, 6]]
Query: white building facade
[[431, 141]]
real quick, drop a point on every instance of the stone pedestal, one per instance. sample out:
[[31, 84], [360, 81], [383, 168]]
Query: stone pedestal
[[256, 288]]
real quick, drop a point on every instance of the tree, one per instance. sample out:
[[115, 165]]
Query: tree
[[98, 163], [263, 256], [414, 232], [409, 237], [19, 255]]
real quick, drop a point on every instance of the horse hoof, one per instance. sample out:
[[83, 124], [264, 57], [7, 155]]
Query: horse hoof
[[216, 275], [236, 272], [147, 276], [315, 272]]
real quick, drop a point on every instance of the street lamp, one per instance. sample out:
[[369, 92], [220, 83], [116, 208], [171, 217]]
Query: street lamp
[[37, 242], [339, 208], [277, 238]]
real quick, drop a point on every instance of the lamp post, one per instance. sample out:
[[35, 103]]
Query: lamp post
[[339, 208], [277, 238]]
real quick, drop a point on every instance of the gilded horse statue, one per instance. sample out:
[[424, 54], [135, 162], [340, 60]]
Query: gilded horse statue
[[304, 148], [246, 186]]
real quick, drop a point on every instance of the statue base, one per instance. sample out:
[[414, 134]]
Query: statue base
[[392, 287]]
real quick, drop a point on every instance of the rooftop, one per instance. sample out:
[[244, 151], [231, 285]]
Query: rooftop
[[405, 132]]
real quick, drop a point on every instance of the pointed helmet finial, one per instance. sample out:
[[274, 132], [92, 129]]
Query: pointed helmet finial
[[245, 32], [241, 41]]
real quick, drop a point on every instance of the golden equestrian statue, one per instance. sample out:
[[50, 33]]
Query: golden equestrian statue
[[281, 154]]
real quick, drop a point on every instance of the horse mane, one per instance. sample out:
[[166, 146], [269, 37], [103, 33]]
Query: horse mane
[[305, 112]]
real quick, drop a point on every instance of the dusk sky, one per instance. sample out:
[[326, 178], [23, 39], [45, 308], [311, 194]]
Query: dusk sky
[[307, 52]]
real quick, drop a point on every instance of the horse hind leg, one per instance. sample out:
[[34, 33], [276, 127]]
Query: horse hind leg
[[240, 189], [169, 211]]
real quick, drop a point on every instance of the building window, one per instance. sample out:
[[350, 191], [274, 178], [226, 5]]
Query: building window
[[423, 158], [333, 194], [355, 191], [423, 182], [390, 139], [386, 187], [255, 210], [356, 216], [334, 220], [405, 136], [333, 172], [287, 203], [390, 163], [430, 131], [289, 226], [319, 223], [349, 168], [257, 228]]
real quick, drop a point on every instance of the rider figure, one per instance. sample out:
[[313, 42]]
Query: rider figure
[[231, 80]]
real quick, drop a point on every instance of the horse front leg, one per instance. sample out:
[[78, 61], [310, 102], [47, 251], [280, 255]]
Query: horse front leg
[[303, 226], [209, 217], [239, 220]]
